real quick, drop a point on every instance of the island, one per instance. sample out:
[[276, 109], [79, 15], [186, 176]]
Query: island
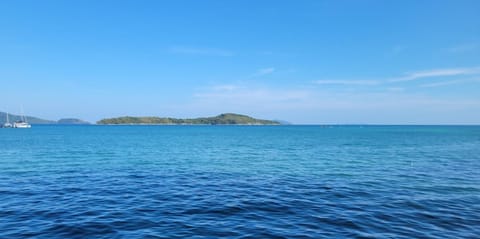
[[222, 119], [72, 121]]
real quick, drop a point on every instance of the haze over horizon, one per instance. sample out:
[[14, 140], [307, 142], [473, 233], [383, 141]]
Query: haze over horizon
[[306, 62]]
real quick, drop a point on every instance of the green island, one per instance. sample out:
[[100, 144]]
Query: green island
[[222, 119]]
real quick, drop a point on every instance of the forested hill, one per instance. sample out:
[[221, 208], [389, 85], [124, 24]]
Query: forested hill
[[30, 119], [35, 120], [223, 119]]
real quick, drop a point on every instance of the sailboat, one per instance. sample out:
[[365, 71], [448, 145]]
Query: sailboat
[[22, 123], [7, 123]]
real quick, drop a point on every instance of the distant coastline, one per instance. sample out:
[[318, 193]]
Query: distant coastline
[[222, 119], [39, 121]]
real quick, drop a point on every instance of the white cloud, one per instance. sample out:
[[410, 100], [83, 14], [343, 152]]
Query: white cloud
[[437, 73], [263, 71], [243, 94], [391, 83], [266, 71], [225, 87], [346, 82], [397, 104], [296, 104], [200, 51], [451, 82], [395, 89]]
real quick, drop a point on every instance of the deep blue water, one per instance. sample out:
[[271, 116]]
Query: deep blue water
[[240, 182]]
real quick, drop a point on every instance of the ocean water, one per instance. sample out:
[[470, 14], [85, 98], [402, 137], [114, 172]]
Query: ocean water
[[240, 182]]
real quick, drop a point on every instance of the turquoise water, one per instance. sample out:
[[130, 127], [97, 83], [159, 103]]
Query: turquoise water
[[240, 182]]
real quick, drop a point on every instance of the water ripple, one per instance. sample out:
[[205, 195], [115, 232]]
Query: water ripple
[[241, 182]]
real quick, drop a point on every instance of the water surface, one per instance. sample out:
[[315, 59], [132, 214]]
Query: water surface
[[240, 182]]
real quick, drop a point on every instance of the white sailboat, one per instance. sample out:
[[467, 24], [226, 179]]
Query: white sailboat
[[22, 123], [7, 123]]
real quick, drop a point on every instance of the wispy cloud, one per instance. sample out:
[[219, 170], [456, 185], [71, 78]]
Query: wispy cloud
[[266, 71], [437, 73], [450, 82], [240, 94], [225, 87], [263, 72], [395, 89], [346, 82], [200, 51], [328, 105]]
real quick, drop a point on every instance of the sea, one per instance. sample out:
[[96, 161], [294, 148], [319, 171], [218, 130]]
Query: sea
[[288, 181]]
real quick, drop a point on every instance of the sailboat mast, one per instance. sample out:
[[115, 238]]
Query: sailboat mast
[[23, 115]]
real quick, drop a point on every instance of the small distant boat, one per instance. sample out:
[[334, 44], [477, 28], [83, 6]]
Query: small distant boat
[[7, 123]]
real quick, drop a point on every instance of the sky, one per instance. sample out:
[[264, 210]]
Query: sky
[[306, 62]]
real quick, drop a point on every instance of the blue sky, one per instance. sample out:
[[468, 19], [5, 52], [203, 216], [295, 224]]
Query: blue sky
[[378, 62]]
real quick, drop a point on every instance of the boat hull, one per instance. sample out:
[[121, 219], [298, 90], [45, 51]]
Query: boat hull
[[21, 125]]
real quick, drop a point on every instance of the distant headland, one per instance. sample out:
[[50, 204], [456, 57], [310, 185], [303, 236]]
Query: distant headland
[[222, 119], [36, 120]]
